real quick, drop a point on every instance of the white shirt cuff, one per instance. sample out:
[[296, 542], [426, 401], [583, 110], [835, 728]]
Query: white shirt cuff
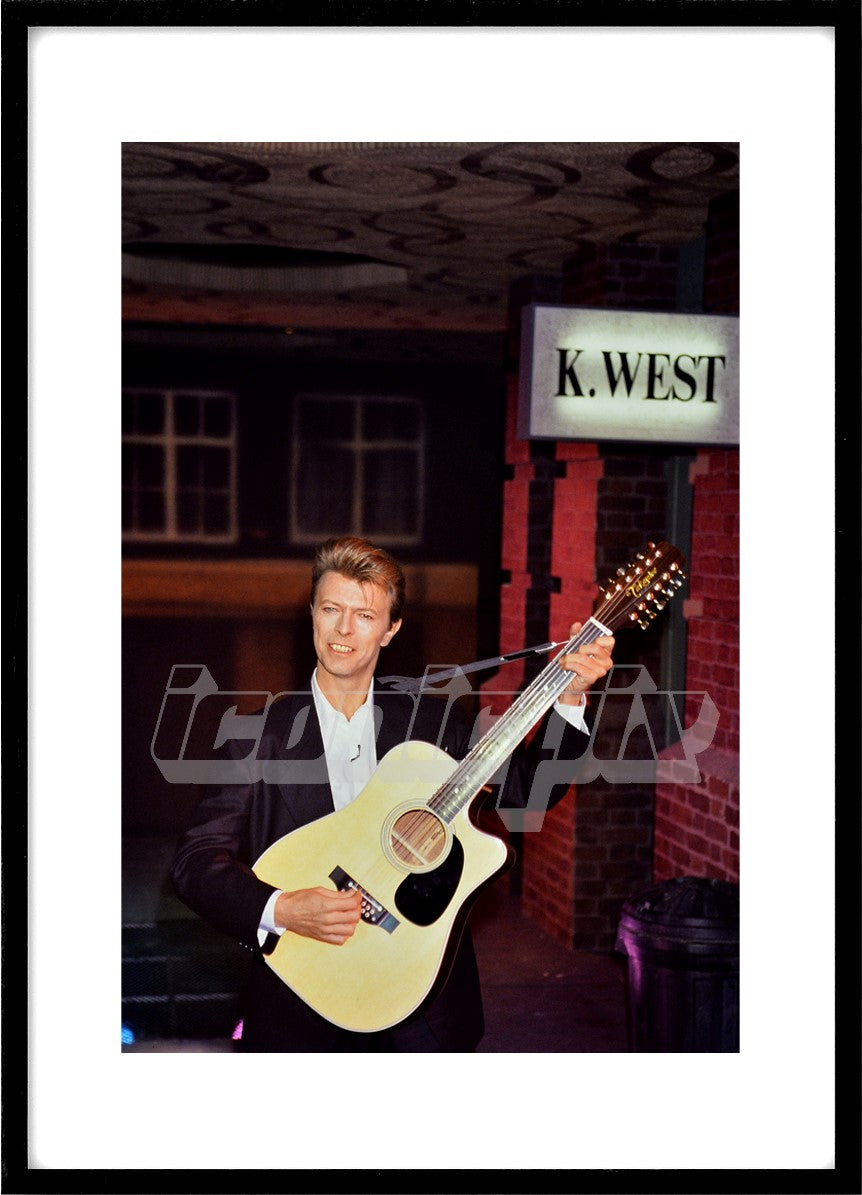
[[573, 714], [267, 921]]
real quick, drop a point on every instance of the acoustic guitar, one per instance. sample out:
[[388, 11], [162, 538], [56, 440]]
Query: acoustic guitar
[[409, 843]]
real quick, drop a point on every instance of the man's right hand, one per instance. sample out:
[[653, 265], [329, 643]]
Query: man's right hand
[[319, 913]]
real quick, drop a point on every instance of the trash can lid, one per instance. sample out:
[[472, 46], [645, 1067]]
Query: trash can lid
[[695, 902]]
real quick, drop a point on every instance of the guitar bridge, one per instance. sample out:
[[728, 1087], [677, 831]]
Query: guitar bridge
[[372, 912]]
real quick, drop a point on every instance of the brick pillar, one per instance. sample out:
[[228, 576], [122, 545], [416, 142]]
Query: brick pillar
[[697, 824], [548, 575], [558, 863]]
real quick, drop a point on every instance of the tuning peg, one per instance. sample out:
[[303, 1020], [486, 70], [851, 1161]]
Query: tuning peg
[[643, 623]]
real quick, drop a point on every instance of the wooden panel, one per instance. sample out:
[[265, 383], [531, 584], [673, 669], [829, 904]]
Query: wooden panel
[[265, 588]]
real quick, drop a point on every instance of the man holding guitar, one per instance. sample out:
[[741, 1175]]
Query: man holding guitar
[[359, 961]]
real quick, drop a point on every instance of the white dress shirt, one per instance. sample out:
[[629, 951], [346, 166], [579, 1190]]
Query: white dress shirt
[[348, 744]]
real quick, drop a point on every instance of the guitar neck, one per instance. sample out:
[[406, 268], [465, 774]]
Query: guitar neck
[[497, 744]]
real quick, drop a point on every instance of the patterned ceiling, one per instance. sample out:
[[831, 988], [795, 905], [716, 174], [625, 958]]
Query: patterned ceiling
[[392, 235]]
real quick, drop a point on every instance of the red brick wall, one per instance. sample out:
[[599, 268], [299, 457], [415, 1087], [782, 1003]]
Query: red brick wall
[[556, 864], [635, 276], [548, 871], [576, 493], [697, 824], [577, 512], [549, 522], [713, 604]]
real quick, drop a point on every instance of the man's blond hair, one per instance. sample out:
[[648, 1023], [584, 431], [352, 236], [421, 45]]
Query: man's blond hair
[[363, 562]]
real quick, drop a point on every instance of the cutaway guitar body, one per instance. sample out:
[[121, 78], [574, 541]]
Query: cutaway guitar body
[[418, 875]]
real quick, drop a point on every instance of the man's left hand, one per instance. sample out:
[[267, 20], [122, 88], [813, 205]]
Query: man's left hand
[[588, 665]]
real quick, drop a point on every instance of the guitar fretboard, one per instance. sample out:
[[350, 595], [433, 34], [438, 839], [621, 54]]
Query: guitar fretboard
[[499, 741]]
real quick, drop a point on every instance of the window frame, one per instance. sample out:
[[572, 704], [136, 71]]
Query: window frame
[[169, 440], [360, 447]]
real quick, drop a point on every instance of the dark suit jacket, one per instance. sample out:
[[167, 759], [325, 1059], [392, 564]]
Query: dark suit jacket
[[235, 823]]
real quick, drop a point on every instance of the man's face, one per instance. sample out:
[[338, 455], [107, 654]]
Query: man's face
[[350, 624]]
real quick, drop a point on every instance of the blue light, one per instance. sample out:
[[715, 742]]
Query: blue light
[[127, 1035]]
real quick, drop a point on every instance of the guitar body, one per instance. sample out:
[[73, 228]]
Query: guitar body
[[418, 874]]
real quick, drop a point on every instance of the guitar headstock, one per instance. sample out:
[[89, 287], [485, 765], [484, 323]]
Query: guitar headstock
[[637, 593]]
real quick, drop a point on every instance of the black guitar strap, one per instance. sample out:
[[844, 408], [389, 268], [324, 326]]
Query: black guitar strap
[[416, 684]]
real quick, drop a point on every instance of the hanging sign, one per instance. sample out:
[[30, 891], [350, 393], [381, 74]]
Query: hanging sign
[[596, 374]]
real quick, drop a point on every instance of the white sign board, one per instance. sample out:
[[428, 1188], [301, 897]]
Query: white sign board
[[596, 374]]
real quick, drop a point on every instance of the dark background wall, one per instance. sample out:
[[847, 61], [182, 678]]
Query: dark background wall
[[237, 622]]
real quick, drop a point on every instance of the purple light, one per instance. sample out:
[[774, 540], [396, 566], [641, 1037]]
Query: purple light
[[237, 1033]]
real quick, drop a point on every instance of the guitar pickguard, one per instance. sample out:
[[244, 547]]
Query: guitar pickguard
[[424, 896]]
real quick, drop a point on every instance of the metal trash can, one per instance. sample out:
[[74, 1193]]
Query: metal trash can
[[682, 942]]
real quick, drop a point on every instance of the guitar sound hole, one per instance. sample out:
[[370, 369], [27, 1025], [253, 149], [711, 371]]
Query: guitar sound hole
[[418, 838]]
